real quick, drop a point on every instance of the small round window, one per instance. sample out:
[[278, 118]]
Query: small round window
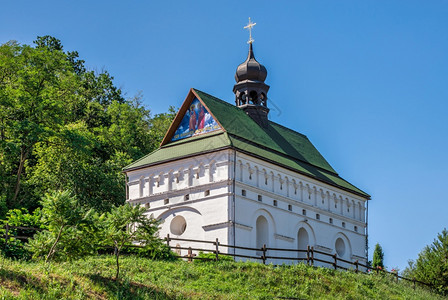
[[178, 225], [340, 247]]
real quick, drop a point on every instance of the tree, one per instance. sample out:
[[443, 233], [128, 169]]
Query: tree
[[32, 83], [68, 224], [127, 224], [431, 265], [378, 256], [63, 127]]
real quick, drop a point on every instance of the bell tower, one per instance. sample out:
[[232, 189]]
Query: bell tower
[[250, 89]]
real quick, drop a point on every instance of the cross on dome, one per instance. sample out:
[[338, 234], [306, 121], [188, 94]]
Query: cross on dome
[[249, 27]]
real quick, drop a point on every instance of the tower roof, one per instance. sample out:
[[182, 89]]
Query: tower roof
[[251, 69]]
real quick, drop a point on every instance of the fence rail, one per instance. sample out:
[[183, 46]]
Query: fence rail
[[7, 235], [310, 256]]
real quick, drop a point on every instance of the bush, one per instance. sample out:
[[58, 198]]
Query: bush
[[212, 257], [15, 248], [155, 251]]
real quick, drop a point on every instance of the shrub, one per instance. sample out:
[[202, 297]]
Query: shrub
[[212, 257]]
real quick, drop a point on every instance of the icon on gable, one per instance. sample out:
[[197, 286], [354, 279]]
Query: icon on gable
[[197, 120]]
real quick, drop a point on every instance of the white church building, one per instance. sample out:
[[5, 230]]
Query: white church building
[[226, 171]]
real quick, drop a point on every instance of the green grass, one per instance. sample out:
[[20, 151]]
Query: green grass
[[142, 278]]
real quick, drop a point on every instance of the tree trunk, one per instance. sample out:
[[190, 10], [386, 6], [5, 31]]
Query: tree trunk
[[118, 265], [23, 157], [50, 253]]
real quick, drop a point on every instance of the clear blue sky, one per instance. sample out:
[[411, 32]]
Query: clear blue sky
[[366, 81]]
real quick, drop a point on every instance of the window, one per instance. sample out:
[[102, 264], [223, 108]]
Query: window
[[166, 201], [260, 198], [243, 192], [331, 220], [146, 205], [289, 207], [343, 224], [178, 225], [207, 193], [186, 197], [317, 217], [304, 212], [335, 205], [275, 202], [356, 228]]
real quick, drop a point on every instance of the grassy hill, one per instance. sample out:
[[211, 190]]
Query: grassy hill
[[146, 279]]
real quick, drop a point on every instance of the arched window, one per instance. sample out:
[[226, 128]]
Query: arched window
[[303, 241], [262, 232]]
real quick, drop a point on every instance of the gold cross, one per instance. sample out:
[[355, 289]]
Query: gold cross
[[249, 26]]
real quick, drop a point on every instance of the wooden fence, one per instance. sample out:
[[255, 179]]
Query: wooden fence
[[309, 259], [7, 235]]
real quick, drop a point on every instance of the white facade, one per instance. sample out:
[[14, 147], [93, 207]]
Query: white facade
[[245, 201]]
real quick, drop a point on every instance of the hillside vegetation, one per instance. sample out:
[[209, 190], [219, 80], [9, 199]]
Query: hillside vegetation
[[142, 278]]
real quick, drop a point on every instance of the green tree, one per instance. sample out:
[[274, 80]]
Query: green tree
[[431, 265], [378, 257], [70, 229], [126, 224], [32, 83]]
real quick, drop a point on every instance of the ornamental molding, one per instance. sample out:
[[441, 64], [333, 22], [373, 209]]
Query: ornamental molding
[[283, 237]]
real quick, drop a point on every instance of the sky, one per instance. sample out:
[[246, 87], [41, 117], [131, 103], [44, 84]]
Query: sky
[[366, 81]]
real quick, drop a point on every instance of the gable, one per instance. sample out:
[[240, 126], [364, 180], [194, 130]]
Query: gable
[[194, 118]]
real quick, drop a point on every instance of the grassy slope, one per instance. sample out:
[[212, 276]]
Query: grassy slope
[[146, 279]]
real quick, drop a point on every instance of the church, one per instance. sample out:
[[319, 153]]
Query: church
[[226, 171]]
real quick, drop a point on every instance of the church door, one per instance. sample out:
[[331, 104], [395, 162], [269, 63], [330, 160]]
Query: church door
[[302, 241], [262, 231]]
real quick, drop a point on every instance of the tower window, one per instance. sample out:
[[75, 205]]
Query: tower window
[[356, 228], [146, 205], [243, 192], [260, 198], [304, 212], [207, 193], [289, 207], [317, 217], [187, 197], [275, 202], [331, 220], [166, 201], [343, 224]]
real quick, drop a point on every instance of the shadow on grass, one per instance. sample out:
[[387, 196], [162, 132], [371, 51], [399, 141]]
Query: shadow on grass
[[16, 281], [128, 290]]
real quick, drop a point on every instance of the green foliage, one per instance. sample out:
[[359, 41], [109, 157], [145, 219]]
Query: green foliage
[[212, 257], [126, 224], [432, 264], [65, 128], [70, 232], [155, 251], [15, 248], [378, 257]]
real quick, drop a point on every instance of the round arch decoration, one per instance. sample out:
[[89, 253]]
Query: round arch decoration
[[342, 246]]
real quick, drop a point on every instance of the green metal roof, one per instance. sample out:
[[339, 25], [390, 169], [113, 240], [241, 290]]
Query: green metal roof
[[275, 143]]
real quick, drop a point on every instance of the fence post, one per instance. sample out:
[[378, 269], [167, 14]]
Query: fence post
[[357, 266], [335, 261], [168, 240], [190, 254], [217, 249], [264, 253], [308, 255], [312, 256], [6, 233]]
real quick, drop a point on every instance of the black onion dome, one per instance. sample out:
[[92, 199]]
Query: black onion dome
[[251, 69]]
